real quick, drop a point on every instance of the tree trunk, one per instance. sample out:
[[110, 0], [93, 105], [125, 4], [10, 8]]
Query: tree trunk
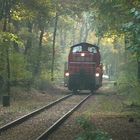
[[81, 32], [53, 47], [139, 71], [99, 40], [61, 37], [86, 32], [29, 40], [8, 72], [38, 63], [64, 38], [7, 8], [73, 35]]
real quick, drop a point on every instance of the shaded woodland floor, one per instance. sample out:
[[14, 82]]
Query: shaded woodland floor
[[107, 109]]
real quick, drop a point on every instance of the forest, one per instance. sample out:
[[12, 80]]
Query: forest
[[35, 37]]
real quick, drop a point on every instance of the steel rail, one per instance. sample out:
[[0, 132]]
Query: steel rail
[[29, 115], [52, 128]]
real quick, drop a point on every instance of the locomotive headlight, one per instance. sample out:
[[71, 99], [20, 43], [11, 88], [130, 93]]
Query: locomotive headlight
[[67, 74], [82, 54], [97, 74]]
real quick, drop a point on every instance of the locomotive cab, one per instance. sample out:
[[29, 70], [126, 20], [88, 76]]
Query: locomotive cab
[[83, 68]]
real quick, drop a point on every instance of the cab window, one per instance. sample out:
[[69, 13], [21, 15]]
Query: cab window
[[77, 49], [92, 50]]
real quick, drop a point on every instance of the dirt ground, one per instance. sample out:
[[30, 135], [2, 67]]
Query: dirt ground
[[108, 111]]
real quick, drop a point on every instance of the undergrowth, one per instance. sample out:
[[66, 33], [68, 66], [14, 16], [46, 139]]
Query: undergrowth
[[90, 132], [129, 86]]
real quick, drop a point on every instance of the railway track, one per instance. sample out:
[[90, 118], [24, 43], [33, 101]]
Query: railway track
[[25, 117], [39, 124]]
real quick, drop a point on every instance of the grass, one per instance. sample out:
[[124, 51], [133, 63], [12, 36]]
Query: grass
[[90, 132], [23, 102], [109, 111]]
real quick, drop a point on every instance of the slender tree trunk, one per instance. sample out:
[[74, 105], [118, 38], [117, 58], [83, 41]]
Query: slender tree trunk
[[61, 37], [139, 71], [29, 40], [73, 35], [15, 45], [86, 32], [53, 47], [8, 72], [64, 38], [126, 41], [38, 63], [6, 20], [81, 32], [7, 58], [98, 41], [138, 62]]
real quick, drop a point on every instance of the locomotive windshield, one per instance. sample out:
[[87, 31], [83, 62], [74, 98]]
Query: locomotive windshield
[[92, 49], [78, 49]]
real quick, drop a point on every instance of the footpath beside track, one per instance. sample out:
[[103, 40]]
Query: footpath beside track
[[25, 117], [41, 123], [52, 128]]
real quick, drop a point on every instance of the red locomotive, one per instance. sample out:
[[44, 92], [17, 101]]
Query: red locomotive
[[83, 70]]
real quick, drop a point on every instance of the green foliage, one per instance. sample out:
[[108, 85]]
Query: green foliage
[[125, 81], [90, 132], [42, 84], [19, 68], [128, 86], [6, 38], [22, 13], [122, 17], [133, 28], [27, 19], [6, 45]]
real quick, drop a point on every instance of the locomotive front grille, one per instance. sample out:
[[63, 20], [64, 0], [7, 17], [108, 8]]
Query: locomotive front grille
[[87, 67], [81, 59]]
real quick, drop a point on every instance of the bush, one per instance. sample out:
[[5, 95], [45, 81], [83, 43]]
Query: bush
[[42, 84], [90, 132], [128, 86], [126, 82]]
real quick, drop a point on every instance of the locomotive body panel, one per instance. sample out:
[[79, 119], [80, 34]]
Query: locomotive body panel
[[83, 61]]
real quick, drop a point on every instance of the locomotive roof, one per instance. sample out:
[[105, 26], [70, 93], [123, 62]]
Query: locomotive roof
[[84, 44]]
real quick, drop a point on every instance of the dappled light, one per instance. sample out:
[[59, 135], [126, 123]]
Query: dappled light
[[52, 48]]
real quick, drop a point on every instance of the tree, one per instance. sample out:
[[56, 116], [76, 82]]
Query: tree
[[5, 8], [119, 18]]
